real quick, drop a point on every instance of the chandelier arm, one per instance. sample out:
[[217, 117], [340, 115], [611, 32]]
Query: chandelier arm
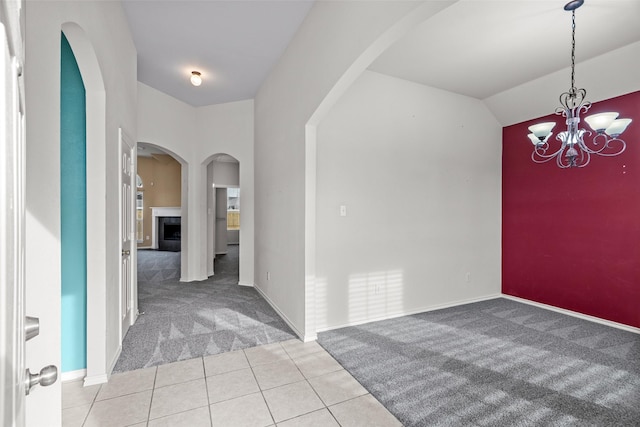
[[584, 163], [605, 145], [623, 146], [539, 153], [560, 163]]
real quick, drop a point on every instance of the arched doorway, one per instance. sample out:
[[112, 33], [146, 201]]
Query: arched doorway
[[161, 217], [90, 348], [223, 214]]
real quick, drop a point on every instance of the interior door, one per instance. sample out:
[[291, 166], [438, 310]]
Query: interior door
[[15, 328], [127, 217], [221, 221]]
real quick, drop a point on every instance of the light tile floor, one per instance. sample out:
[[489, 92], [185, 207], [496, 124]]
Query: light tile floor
[[288, 384]]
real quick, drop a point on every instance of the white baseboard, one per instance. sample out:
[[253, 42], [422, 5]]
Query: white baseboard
[[73, 375], [310, 338], [411, 312], [575, 314], [280, 313], [114, 360], [248, 285], [144, 247], [95, 380]]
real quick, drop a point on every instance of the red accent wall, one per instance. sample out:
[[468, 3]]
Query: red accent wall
[[571, 237]]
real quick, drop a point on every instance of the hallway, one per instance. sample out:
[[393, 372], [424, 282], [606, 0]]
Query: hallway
[[180, 321]]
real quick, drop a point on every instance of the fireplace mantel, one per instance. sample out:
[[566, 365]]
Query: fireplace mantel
[[161, 211]]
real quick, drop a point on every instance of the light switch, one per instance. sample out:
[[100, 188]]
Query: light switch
[[343, 210]]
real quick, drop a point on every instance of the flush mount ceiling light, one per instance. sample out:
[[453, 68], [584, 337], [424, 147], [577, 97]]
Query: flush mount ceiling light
[[196, 78], [576, 149]]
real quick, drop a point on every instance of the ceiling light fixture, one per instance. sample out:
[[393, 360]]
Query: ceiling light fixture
[[575, 149], [196, 78]]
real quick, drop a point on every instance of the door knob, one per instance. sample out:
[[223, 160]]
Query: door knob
[[126, 252], [47, 376]]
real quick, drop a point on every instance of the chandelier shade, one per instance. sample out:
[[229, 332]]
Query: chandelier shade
[[577, 144]]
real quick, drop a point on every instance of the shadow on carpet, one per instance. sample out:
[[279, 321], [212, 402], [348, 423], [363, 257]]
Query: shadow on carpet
[[187, 320], [495, 363]]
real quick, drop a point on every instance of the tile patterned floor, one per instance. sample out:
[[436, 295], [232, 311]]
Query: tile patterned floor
[[287, 384]]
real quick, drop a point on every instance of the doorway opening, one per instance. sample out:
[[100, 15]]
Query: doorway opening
[[223, 218], [158, 214]]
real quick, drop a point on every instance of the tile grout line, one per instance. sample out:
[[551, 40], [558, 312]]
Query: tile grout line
[[86, 417], [260, 388], [153, 392], [206, 388]]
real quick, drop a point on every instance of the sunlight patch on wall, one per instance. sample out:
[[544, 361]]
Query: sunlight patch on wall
[[321, 305], [375, 295]]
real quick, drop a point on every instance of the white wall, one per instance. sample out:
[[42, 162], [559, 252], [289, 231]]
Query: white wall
[[334, 38], [228, 129], [102, 44], [194, 136], [419, 171], [170, 124], [226, 174]]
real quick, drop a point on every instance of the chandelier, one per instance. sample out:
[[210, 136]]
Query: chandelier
[[576, 144]]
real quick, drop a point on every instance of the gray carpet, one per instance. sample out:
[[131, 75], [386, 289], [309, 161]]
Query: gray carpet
[[495, 363], [186, 320]]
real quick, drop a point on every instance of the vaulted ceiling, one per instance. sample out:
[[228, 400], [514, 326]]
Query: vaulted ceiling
[[474, 47]]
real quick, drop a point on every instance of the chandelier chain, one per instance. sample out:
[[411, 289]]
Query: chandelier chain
[[573, 52]]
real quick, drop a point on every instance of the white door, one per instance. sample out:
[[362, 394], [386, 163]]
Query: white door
[[127, 217], [221, 221], [13, 374]]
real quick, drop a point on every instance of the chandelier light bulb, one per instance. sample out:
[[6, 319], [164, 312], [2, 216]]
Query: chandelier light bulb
[[196, 78], [599, 122], [617, 127], [542, 130]]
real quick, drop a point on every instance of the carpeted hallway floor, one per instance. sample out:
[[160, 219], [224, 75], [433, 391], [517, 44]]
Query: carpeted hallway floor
[[495, 363], [181, 321]]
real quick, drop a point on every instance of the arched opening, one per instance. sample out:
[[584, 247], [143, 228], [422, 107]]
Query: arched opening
[[161, 213], [95, 366], [223, 214], [316, 305]]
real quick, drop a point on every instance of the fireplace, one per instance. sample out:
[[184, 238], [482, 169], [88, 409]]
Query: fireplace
[[169, 233]]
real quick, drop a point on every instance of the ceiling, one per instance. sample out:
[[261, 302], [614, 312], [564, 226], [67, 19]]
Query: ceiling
[[476, 48], [233, 43], [480, 48]]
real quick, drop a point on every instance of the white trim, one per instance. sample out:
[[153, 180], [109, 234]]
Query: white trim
[[114, 360], [412, 312], [248, 285], [575, 314], [144, 247], [280, 313], [95, 380], [66, 377]]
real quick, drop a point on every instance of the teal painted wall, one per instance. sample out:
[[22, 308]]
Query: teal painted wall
[[73, 189]]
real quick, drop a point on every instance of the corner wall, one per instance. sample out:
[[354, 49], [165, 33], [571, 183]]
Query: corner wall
[[418, 171], [313, 65], [570, 236]]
